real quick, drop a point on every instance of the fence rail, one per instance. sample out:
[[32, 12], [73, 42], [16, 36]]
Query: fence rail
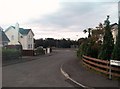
[[102, 66]]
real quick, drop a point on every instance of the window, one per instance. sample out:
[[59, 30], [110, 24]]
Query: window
[[29, 38], [31, 45], [28, 45], [21, 36]]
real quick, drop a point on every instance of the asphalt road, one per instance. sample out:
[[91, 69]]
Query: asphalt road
[[43, 72]]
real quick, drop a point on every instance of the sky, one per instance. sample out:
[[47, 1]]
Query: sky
[[57, 18]]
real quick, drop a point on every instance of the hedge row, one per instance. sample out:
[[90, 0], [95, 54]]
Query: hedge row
[[9, 54], [39, 51]]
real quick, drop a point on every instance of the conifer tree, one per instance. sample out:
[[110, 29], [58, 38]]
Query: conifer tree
[[108, 42]]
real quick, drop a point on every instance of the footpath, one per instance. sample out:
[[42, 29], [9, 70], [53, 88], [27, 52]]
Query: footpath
[[24, 59], [85, 77]]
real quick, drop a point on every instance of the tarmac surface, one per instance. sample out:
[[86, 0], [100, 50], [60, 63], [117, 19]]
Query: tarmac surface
[[77, 71], [45, 72], [40, 72]]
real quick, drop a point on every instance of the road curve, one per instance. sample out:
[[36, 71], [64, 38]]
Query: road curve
[[43, 72]]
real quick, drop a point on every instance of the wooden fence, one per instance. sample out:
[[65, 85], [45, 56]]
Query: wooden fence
[[102, 66]]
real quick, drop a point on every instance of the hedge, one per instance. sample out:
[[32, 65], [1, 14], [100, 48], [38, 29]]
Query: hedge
[[10, 54], [39, 51]]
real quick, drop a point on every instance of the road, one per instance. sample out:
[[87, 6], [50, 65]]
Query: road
[[43, 72]]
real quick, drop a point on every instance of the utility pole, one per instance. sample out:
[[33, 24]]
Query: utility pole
[[118, 9]]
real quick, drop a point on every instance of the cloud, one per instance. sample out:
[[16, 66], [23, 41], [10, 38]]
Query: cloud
[[59, 35], [69, 14], [12, 11], [80, 14], [72, 18], [58, 18], [89, 0]]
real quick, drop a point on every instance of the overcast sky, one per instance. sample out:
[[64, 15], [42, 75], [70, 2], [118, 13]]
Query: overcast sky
[[57, 18]]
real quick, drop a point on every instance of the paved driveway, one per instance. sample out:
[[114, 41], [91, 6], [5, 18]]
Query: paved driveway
[[43, 72]]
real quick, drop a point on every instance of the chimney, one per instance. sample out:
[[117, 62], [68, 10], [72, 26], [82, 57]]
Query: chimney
[[17, 34], [17, 26]]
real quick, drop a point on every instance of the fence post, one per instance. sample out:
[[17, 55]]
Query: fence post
[[110, 77]]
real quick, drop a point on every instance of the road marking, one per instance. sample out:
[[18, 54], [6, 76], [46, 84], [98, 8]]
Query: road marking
[[68, 77], [65, 74]]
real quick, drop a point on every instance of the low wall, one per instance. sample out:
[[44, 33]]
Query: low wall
[[102, 66], [27, 52]]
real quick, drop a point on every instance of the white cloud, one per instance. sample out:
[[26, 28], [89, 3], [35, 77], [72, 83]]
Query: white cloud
[[89, 0], [52, 31], [56, 18], [60, 34], [12, 11]]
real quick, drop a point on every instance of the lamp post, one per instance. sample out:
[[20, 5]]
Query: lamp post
[[77, 37]]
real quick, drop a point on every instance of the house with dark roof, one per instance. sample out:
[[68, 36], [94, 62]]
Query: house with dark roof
[[20, 36], [3, 38], [100, 32], [114, 30]]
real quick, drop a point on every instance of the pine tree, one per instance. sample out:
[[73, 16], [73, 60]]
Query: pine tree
[[116, 51], [108, 42]]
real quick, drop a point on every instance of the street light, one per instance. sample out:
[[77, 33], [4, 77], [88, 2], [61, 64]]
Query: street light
[[77, 37]]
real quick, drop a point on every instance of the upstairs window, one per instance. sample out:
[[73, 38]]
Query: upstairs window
[[29, 38], [21, 36]]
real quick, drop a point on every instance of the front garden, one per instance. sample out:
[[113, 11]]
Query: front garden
[[96, 54], [105, 49]]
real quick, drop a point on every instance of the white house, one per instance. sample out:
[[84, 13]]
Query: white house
[[3, 38], [114, 30], [20, 36], [101, 33]]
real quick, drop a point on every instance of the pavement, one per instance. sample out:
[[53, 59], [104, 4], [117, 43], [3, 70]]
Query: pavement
[[24, 59], [79, 74]]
